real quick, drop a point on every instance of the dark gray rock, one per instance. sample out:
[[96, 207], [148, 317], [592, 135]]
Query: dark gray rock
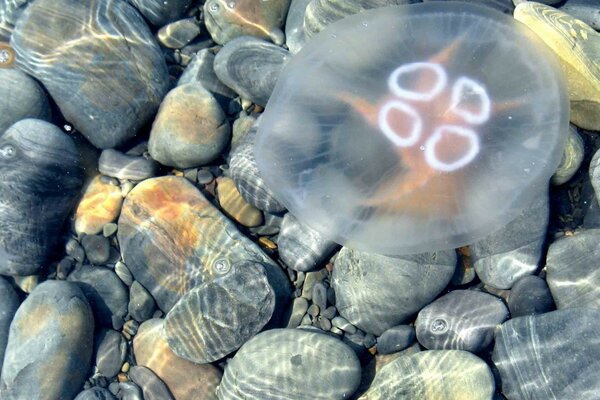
[[105, 292], [514, 250], [301, 247], [530, 295], [396, 339], [217, 317], [572, 270], [289, 364], [460, 320], [50, 344], [112, 75], [41, 179], [123, 166], [376, 292], [9, 302], [152, 387], [550, 356], [95, 393], [22, 98], [141, 303], [250, 67], [111, 350], [160, 12], [97, 248]]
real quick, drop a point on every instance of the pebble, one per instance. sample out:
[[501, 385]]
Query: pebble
[[530, 295], [396, 339], [169, 264], [160, 12], [131, 327], [27, 283], [576, 45], [329, 312], [185, 380], [298, 308], [129, 391], [51, 338], [458, 375], [95, 393], [111, 351], [22, 98], [571, 270], [141, 304], [343, 324], [301, 247], [228, 19], [376, 292], [294, 24], [235, 206], [313, 310], [289, 364], [100, 205], [179, 33], [460, 320], [133, 73], [109, 229], [549, 356], [513, 251], [310, 279], [97, 248], [41, 179], [241, 126], [152, 387], [250, 67], [124, 166], [123, 273], [319, 295], [217, 317], [105, 292], [572, 158], [247, 177], [190, 128], [9, 302], [594, 173]]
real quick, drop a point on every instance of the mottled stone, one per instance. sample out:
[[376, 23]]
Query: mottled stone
[[228, 19], [289, 364], [50, 344], [530, 295], [105, 292], [168, 263], [100, 204], [550, 356], [111, 75], [185, 380], [179, 33], [160, 12], [432, 375], [376, 292], [460, 320], [572, 270], [152, 387], [9, 302], [141, 304], [513, 251], [217, 317], [301, 247], [41, 177], [111, 350], [250, 67], [22, 97], [577, 46], [124, 166], [234, 205], [190, 128], [396, 339], [572, 158]]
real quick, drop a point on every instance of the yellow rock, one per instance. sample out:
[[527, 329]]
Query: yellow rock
[[577, 46], [100, 204], [235, 206], [185, 380]]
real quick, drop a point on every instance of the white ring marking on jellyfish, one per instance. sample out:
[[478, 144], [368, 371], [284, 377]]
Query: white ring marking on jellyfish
[[438, 134], [468, 87], [390, 133], [440, 84]]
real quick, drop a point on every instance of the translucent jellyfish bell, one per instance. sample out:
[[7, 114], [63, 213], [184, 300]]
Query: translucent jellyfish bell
[[415, 128]]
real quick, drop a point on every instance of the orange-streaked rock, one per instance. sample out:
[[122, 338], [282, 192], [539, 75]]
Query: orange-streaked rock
[[100, 204], [235, 206], [185, 380]]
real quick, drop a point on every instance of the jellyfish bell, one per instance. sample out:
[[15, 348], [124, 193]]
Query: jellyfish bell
[[414, 128]]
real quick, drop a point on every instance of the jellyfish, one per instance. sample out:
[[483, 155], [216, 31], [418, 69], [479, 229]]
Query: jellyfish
[[414, 128]]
